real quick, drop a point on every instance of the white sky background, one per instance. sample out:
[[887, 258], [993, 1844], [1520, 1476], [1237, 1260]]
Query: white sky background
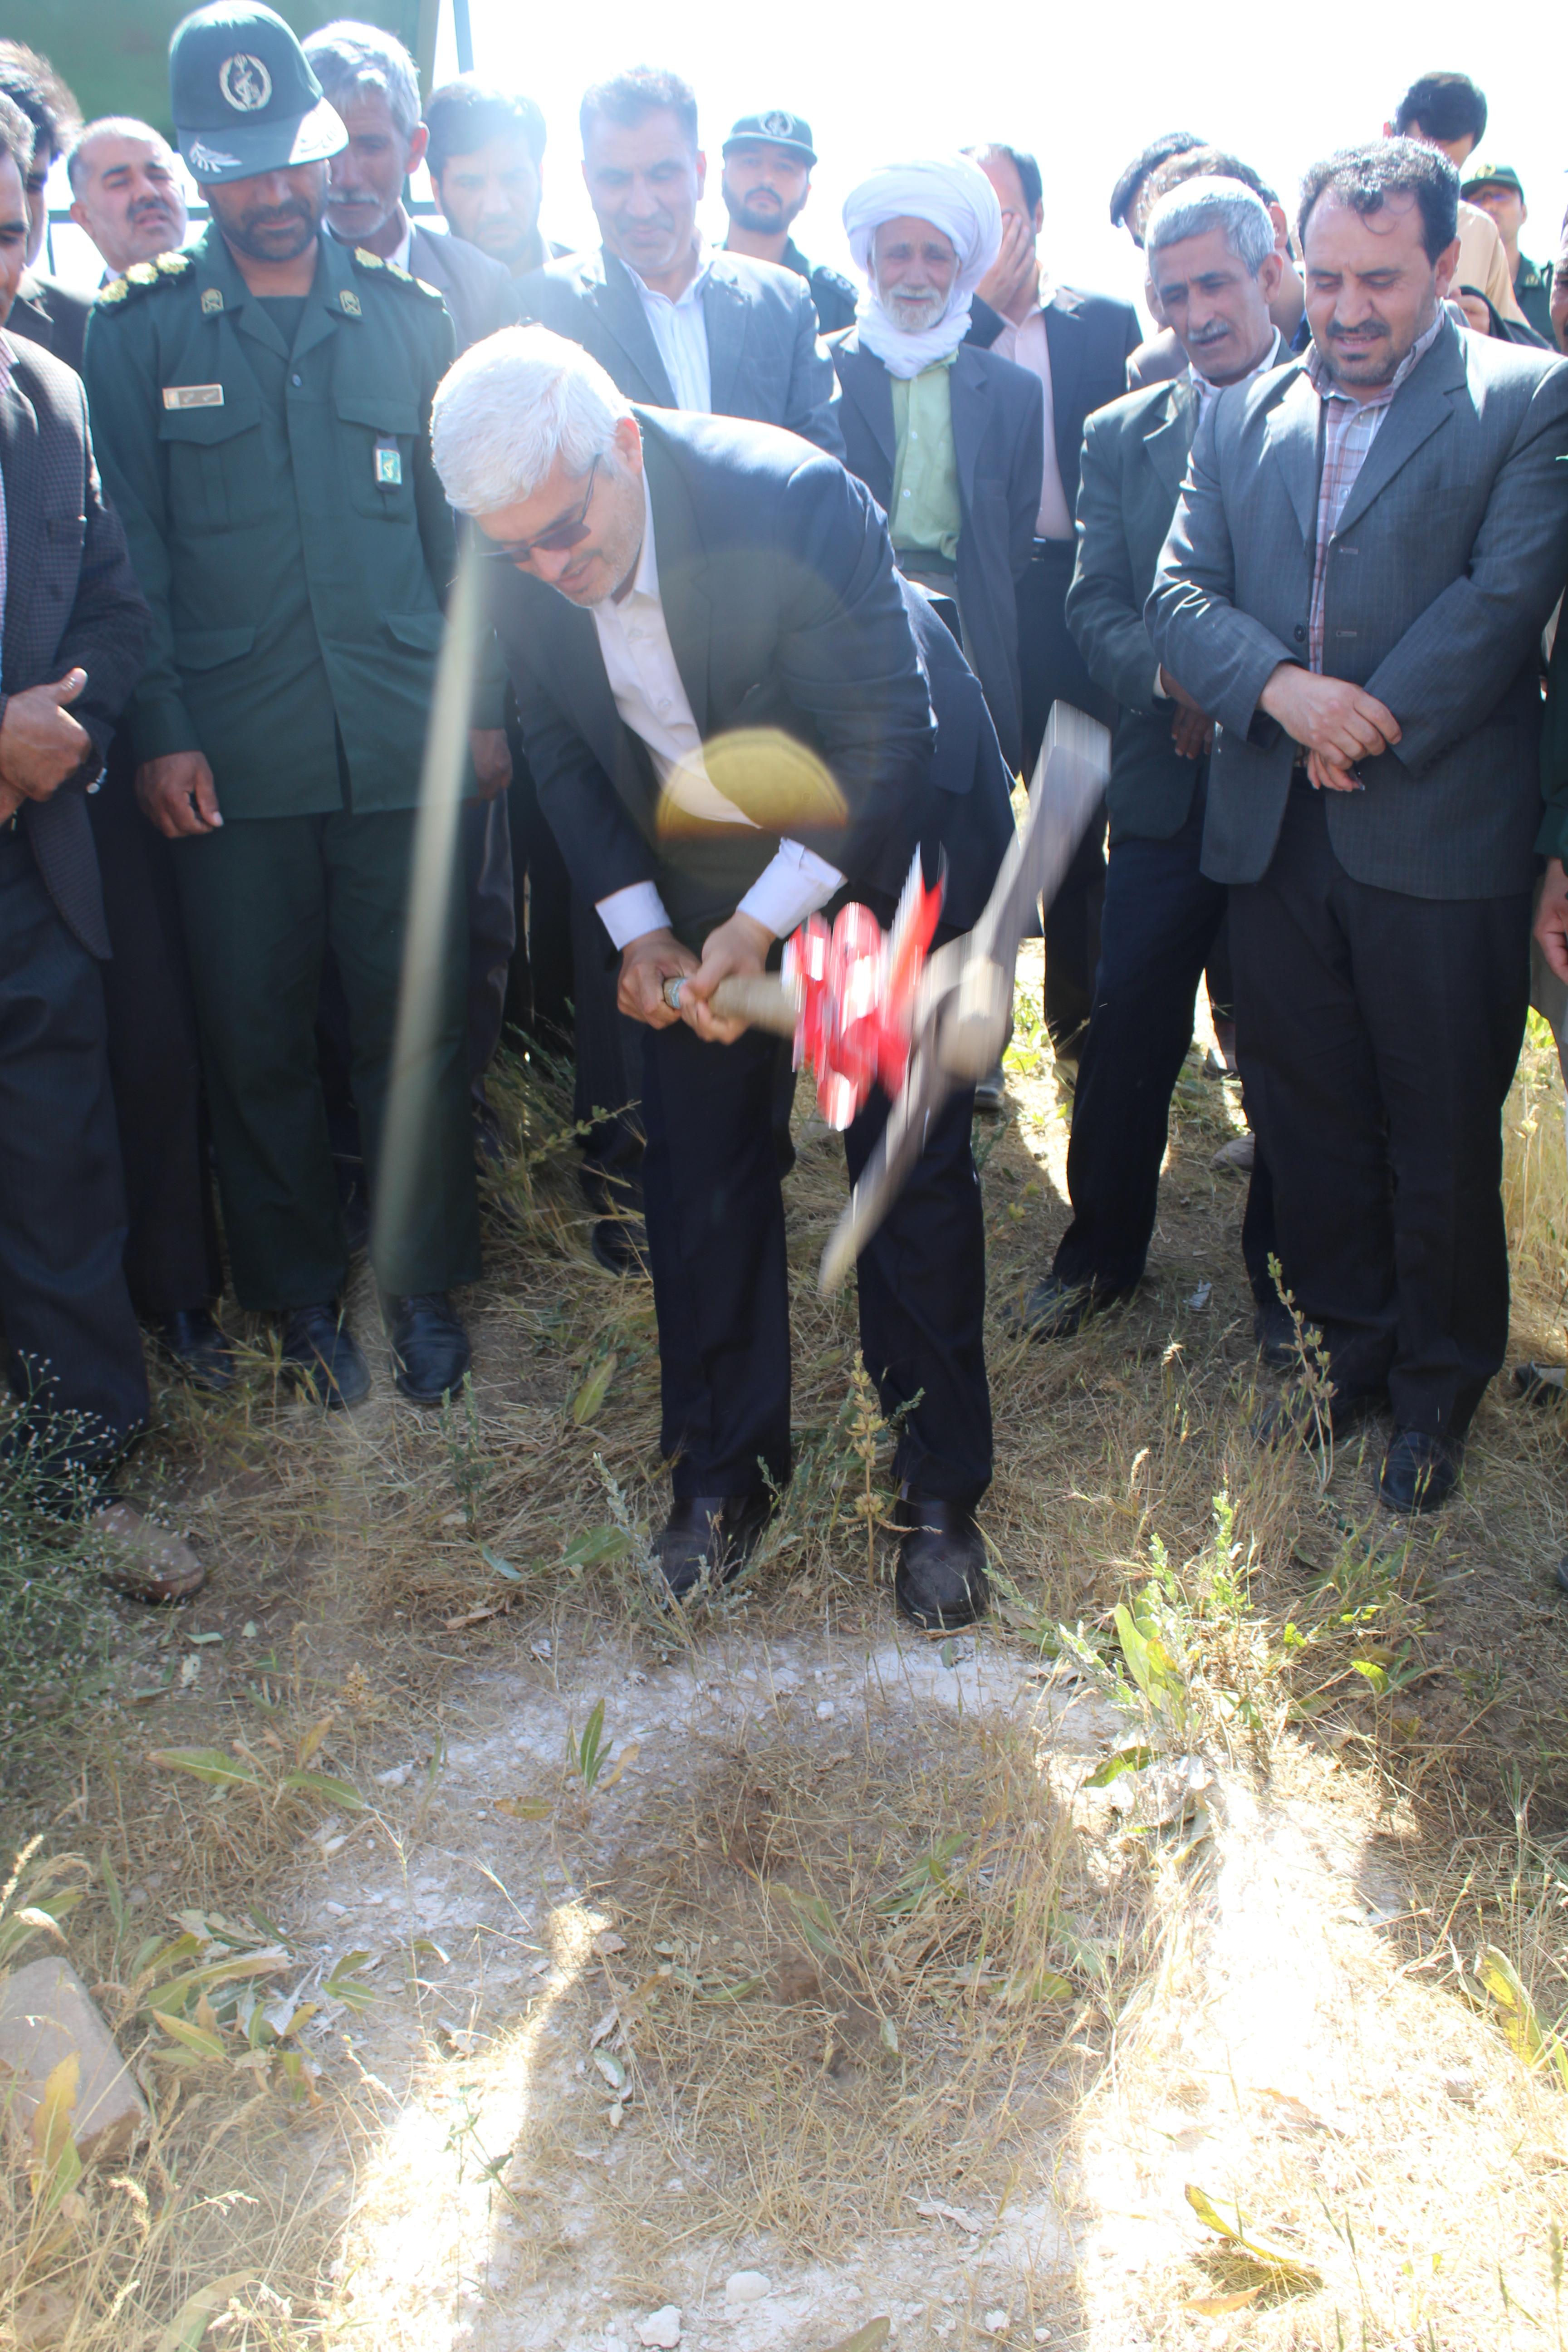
[[1082, 86]]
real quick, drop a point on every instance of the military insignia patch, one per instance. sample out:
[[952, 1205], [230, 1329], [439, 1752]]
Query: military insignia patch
[[245, 82], [172, 264], [349, 300], [778, 125], [366, 259], [212, 302], [141, 273]]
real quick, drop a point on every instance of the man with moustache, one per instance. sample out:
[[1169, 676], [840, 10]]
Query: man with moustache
[[1215, 267], [44, 311], [768, 163], [125, 193], [486, 161], [1367, 546], [263, 403]]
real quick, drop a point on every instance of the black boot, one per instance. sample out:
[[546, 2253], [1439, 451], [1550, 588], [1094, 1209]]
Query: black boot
[[431, 1351], [1420, 1472], [198, 1346], [941, 1583], [712, 1535]]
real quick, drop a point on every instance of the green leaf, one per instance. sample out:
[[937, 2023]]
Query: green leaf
[[592, 1393], [195, 2038], [195, 2314], [1124, 1759], [816, 1922], [501, 1566], [869, 2339], [1286, 2266], [209, 1764], [346, 1984], [1372, 1674], [329, 1792], [1134, 1649], [604, 1543]]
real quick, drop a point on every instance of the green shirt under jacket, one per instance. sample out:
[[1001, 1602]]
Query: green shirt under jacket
[[927, 515], [271, 465]]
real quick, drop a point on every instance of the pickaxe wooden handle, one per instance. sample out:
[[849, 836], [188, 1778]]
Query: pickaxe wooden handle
[[761, 1000]]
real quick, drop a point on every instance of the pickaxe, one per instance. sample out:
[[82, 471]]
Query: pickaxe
[[865, 1007]]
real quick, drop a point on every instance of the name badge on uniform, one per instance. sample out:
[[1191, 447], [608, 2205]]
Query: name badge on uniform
[[388, 465], [193, 396]]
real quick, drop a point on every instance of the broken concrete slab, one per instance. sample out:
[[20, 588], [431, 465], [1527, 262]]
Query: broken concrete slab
[[46, 2013]]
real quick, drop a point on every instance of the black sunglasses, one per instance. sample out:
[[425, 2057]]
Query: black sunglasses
[[569, 533]]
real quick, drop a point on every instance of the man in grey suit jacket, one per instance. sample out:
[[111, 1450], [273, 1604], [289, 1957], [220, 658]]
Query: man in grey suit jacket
[[1367, 546], [1213, 261], [672, 326]]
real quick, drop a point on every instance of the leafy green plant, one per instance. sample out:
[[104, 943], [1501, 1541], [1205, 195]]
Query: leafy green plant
[[588, 1753]]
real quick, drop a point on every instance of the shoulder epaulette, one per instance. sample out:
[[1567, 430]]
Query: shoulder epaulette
[[364, 259], [143, 275]]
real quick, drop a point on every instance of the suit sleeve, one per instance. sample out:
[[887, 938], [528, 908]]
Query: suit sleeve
[[123, 398], [1444, 675], [849, 662], [1025, 476], [602, 848], [1224, 657], [812, 405], [107, 630], [1104, 610]]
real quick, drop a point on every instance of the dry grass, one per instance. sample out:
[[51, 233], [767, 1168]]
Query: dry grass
[[1385, 1717]]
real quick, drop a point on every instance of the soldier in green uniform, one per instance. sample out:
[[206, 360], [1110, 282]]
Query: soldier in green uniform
[[261, 405]]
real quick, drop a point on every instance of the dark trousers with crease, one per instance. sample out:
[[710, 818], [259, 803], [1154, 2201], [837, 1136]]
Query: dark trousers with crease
[[1160, 920], [172, 1258], [1377, 1035], [716, 1237], [262, 900], [540, 992], [70, 1328], [1051, 669]]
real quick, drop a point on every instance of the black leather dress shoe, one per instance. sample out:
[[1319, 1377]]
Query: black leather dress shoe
[[323, 1356], [710, 1535], [1289, 1420], [941, 1583], [1420, 1472], [431, 1351], [1054, 1309], [620, 1244], [197, 1345], [1275, 1333]]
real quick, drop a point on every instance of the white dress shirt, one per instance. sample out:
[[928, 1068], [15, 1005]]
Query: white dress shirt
[[680, 331], [639, 662], [1025, 343]]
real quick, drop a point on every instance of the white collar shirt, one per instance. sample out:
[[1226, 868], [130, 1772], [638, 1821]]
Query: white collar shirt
[[645, 682], [680, 331], [1208, 392]]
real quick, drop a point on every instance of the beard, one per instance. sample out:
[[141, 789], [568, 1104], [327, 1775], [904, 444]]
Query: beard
[[913, 310], [274, 232], [764, 220]]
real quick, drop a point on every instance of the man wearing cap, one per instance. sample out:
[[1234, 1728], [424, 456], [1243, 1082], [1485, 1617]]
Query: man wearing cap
[[1496, 190], [948, 438], [768, 161], [262, 402]]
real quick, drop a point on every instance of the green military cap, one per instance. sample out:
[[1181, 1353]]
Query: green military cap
[[243, 96], [1489, 175], [778, 129]]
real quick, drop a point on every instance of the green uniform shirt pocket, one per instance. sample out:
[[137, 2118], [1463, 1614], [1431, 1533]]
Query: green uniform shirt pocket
[[377, 437], [196, 649], [219, 479]]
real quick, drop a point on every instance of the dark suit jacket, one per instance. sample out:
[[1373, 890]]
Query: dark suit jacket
[[999, 440], [48, 314], [968, 807], [765, 356], [784, 611], [1452, 548], [1088, 339], [1134, 457], [480, 294], [71, 601]]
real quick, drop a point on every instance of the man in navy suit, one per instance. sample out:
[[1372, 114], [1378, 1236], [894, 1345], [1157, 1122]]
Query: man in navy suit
[[676, 593]]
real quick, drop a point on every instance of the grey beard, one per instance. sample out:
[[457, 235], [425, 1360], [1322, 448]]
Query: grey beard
[[913, 314]]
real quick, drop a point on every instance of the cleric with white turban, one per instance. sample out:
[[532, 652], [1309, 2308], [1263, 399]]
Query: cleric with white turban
[[956, 198]]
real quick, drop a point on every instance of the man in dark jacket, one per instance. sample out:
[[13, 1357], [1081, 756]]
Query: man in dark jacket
[[1212, 263], [768, 163], [72, 629], [679, 594], [949, 440]]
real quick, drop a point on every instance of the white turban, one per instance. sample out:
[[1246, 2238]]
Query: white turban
[[956, 198]]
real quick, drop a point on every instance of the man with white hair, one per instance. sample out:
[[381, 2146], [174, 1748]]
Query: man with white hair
[[948, 438], [125, 191], [687, 605], [1215, 268]]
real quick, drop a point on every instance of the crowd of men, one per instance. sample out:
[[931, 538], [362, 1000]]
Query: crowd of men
[[1299, 548]]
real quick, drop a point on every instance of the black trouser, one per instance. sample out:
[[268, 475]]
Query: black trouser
[[263, 899], [716, 1237], [1160, 920], [69, 1327], [1051, 669], [608, 1076], [172, 1258], [485, 847], [1377, 1035], [540, 993]]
